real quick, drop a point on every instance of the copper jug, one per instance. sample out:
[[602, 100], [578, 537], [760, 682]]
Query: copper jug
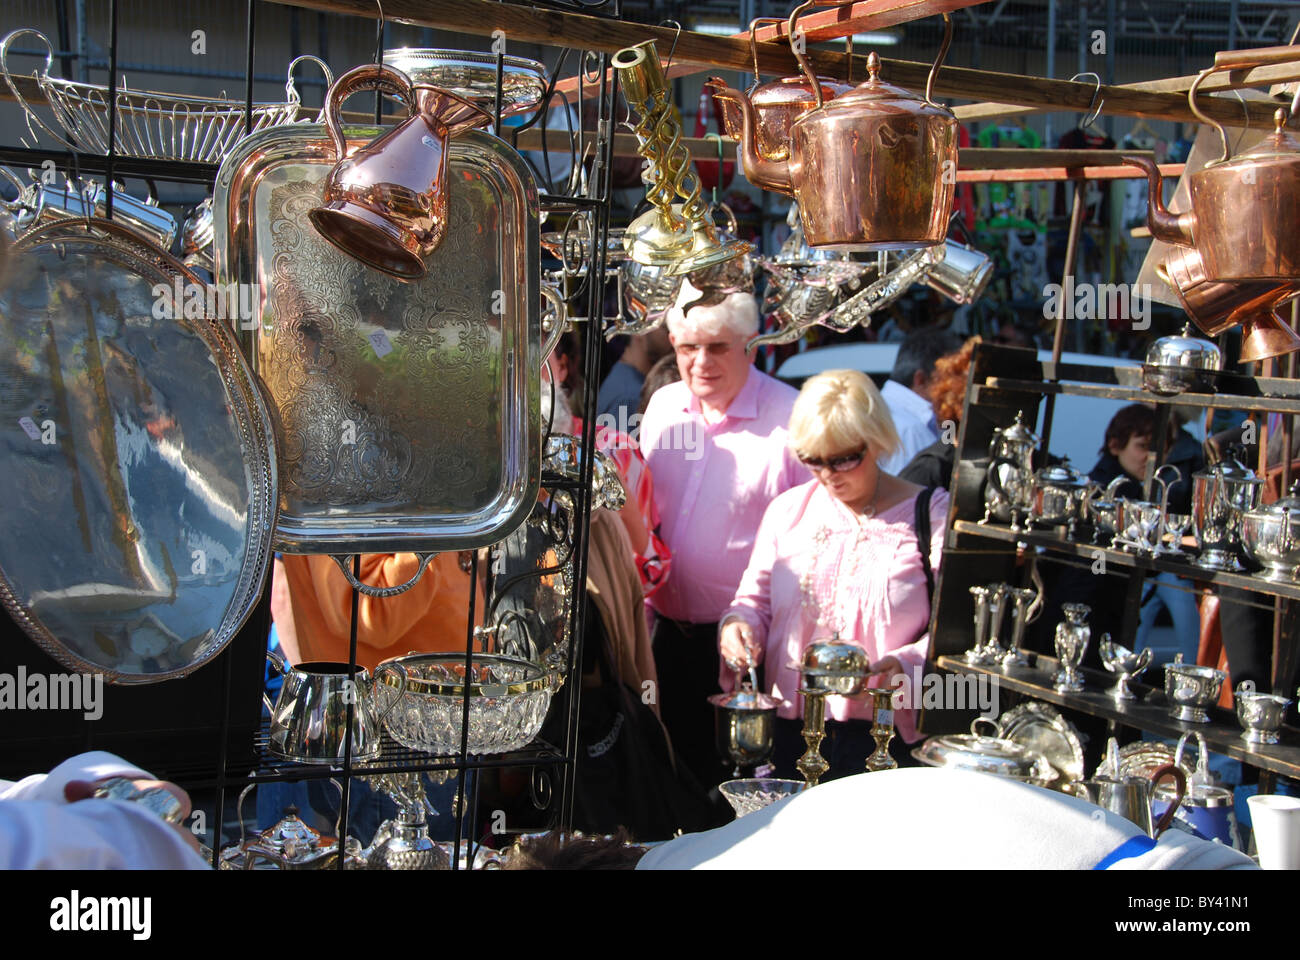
[[386, 204], [1214, 306], [872, 169], [776, 104], [1244, 209]]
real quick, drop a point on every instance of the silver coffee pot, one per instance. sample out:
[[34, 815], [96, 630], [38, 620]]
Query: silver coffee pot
[[1221, 494], [1009, 479]]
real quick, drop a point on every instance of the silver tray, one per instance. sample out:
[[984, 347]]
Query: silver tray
[[1041, 728], [408, 414], [1142, 758], [137, 455], [472, 74]]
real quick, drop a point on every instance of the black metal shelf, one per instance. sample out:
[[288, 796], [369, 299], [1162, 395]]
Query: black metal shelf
[[169, 171], [1121, 558], [1148, 713]]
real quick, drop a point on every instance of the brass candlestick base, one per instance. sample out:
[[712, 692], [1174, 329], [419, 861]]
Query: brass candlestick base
[[882, 728], [812, 765]]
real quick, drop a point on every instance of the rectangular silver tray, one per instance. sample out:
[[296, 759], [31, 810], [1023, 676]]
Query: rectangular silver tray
[[407, 415]]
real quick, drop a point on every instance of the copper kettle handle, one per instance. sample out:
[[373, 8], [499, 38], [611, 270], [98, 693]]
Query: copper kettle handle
[[368, 76], [1239, 60], [1180, 790]]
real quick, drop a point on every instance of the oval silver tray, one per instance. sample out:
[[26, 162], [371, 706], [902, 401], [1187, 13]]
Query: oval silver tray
[[137, 455], [1041, 728], [408, 414]]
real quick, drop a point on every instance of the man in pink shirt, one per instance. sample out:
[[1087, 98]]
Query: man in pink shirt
[[716, 446]]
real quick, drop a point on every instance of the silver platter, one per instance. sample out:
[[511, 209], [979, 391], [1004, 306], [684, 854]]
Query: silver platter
[[1041, 728], [138, 457], [473, 75], [408, 414]]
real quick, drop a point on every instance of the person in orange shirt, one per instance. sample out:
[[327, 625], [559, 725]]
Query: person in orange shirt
[[311, 604]]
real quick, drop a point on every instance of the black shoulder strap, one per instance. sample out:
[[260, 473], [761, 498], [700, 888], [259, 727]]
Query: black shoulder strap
[[922, 523]]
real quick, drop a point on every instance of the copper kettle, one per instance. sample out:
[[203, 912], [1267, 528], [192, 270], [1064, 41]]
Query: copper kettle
[[386, 204], [1244, 209], [873, 169], [776, 105], [1214, 306]]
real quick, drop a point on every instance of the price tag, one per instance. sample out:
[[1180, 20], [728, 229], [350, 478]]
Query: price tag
[[885, 717], [30, 428], [379, 340]]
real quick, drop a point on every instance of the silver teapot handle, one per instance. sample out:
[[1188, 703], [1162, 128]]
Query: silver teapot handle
[[344, 562], [280, 666], [403, 678], [553, 329]]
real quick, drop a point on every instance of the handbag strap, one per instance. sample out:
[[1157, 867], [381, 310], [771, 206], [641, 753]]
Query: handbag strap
[[921, 520]]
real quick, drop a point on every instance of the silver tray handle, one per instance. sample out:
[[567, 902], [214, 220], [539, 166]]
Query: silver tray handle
[[382, 593]]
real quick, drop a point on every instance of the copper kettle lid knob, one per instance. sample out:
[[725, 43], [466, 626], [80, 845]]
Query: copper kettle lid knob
[[873, 67]]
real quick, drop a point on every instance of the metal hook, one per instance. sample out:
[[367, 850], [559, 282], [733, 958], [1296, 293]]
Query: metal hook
[[673, 49], [1094, 107], [753, 40], [721, 160], [938, 61], [379, 34]]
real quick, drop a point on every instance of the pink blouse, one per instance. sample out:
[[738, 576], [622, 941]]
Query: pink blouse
[[817, 568]]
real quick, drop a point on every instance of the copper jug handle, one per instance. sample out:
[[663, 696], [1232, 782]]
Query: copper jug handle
[[1239, 60], [368, 76]]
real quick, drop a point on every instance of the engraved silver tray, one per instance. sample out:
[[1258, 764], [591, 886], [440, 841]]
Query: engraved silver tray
[[137, 456], [408, 415]]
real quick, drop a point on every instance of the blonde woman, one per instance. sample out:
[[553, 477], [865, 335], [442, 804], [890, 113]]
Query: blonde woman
[[838, 554]]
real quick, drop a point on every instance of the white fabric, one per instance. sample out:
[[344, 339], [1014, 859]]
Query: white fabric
[[914, 422], [40, 830], [931, 819]]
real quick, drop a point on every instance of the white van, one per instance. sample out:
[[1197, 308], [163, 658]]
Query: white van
[[1087, 416]]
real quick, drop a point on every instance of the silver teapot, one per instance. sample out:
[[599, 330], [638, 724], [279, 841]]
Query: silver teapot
[[1059, 497], [1009, 479], [1270, 535], [744, 723], [1221, 494]]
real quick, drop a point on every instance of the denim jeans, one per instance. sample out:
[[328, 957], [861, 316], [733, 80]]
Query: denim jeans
[[1182, 608]]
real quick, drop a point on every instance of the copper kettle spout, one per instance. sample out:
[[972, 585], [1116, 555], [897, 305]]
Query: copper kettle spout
[[1266, 335], [767, 174], [1170, 227]]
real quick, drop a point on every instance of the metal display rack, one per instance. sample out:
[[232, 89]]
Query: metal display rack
[[221, 770], [1004, 381]]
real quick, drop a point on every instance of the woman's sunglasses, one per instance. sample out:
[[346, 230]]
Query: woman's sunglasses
[[838, 464]]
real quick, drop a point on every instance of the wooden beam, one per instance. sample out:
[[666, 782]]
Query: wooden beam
[[1042, 174], [824, 25], [1235, 80], [553, 28]]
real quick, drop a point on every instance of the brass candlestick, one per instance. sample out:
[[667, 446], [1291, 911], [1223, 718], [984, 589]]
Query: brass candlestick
[[812, 765], [882, 727]]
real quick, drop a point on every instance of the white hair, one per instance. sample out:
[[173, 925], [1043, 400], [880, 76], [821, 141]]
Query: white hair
[[738, 313]]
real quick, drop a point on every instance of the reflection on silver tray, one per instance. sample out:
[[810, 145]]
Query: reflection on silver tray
[[472, 74], [137, 455], [1041, 728], [408, 414]]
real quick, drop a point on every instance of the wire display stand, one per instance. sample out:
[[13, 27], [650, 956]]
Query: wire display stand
[[584, 201]]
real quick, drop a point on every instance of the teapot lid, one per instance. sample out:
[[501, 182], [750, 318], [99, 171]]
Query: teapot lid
[[875, 92], [1279, 143], [1289, 505], [1229, 468], [1060, 473], [291, 837], [1018, 432]]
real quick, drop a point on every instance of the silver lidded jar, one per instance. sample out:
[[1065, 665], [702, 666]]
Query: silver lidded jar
[[1181, 362]]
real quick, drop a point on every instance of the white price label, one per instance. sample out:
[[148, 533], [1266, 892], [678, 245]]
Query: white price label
[[885, 717], [383, 346], [30, 428]]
